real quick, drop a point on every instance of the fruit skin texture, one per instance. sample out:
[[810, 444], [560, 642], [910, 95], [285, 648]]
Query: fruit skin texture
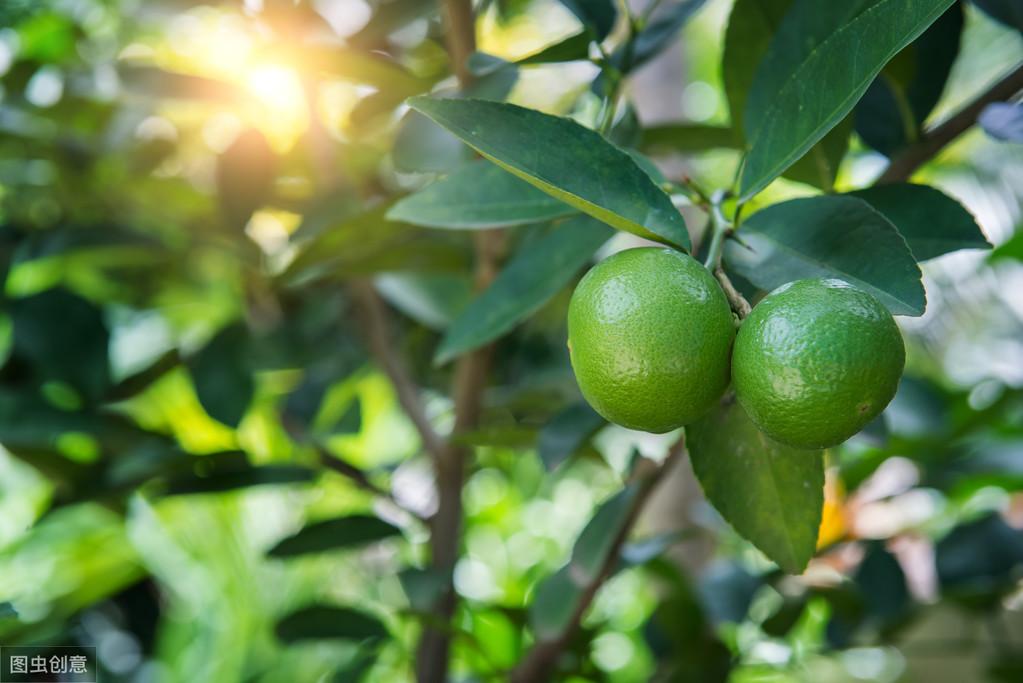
[[815, 361], [650, 335]]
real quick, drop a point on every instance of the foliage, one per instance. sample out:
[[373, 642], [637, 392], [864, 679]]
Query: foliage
[[284, 392]]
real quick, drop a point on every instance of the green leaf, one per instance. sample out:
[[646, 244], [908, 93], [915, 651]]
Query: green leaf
[[476, 196], [820, 62], [597, 15], [534, 275], [65, 338], [565, 160], [567, 432], [895, 106], [223, 380], [327, 622], [231, 479], [334, 534], [772, 494], [932, 222], [574, 47], [1010, 249], [423, 587], [687, 137], [433, 300], [751, 26], [596, 541], [829, 237]]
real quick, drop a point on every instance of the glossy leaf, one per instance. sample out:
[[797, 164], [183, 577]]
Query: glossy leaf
[[751, 26], [772, 494], [223, 380], [1003, 121], [820, 62], [565, 160], [475, 196], [567, 432], [895, 106], [334, 534], [931, 222], [327, 622], [831, 237], [529, 280]]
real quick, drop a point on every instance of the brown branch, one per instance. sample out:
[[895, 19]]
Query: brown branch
[[460, 36], [933, 141], [378, 335], [540, 662], [735, 298]]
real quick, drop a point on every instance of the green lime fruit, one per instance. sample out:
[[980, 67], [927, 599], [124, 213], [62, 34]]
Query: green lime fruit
[[815, 361], [650, 334]]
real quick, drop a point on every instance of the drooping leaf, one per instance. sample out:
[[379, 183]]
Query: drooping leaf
[[65, 338], [329, 622], [334, 534], [222, 377], [773, 495], [830, 237], [597, 15], [895, 106], [565, 160], [476, 196], [532, 277], [751, 26], [1003, 121], [567, 432], [932, 222], [808, 81]]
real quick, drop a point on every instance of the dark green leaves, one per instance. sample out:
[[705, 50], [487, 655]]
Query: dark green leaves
[[327, 622], [596, 15], [821, 61], [565, 160], [64, 338], [932, 222], [892, 111], [832, 237], [478, 195], [772, 494], [334, 534], [222, 378], [536, 274]]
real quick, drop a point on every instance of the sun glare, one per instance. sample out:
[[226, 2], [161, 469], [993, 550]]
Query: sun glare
[[278, 91]]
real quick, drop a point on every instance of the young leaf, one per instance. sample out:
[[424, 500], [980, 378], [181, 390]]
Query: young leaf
[[478, 195], [566, 433], [833, 237], [334, 534], [532, 277], [1003, 121], [771, 494], [932, 222], [327, 622], [820, 62], [565, 160], [751, 26], [892, 111]]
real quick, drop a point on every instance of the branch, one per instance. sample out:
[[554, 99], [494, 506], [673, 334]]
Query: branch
[[460, 36], [735, 298], [540, 662], [362, 480], [933, 141], [379, 340]]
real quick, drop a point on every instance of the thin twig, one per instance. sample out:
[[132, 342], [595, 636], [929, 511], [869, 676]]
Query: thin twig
[[933, 141], [362, 480], [379, 340], [540, 662], [721, 228], [735, 298]]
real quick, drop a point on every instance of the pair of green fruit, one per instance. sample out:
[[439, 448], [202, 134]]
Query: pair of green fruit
[[651, 336]]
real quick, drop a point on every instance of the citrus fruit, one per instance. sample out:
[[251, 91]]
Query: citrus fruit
[[815, 361], [650, 333]]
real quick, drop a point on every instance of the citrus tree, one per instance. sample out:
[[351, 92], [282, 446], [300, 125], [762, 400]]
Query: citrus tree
[[297, 382]]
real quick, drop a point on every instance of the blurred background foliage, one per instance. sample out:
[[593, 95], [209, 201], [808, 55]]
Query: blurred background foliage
[[188, 190]]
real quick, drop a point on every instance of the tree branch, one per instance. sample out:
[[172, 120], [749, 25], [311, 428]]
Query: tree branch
[[362, 480], [540, 662], [933, 141], [460, 36], [378, 336], [735, 298]]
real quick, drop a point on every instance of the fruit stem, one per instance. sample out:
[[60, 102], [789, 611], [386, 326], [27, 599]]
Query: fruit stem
[[719, 226]]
